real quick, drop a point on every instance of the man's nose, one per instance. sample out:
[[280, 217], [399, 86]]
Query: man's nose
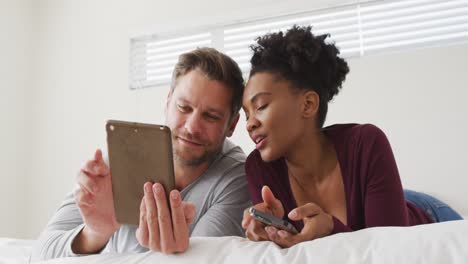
[[193, 124]]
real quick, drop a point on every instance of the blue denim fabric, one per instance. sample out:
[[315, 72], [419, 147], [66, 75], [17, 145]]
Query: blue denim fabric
[[438, 210]]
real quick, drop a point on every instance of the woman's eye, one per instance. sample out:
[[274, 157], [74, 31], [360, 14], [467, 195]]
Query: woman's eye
[[262, 107]]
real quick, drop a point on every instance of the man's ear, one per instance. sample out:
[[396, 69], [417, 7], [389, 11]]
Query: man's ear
[[310, 104], [233, 125]]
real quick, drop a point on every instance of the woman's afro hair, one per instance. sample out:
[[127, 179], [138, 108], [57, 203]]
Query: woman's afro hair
[[304, 59]]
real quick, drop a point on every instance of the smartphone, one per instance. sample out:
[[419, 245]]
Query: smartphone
[[271, 220], [138, 153]]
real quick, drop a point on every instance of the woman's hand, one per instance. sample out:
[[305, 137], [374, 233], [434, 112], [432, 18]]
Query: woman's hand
[[317, 224], [255, 230]]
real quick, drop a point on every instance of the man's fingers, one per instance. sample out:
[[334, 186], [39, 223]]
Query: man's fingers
[[181, 232], [273, 204], [101, 166], [154, 239], [142, 231], [98, 155], [87, 182], [96, 167], [88, 167], [164, 218], [83, 198], [189, 212]]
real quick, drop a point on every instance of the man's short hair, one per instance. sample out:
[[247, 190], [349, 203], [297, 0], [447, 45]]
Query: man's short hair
[[216, 66]]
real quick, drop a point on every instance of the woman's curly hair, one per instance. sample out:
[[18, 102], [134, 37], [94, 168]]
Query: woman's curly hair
[[305, 60]]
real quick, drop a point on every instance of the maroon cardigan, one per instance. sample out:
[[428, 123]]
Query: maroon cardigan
[[373, 190]]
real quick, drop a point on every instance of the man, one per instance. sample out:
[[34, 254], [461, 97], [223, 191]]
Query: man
[[202, 109]]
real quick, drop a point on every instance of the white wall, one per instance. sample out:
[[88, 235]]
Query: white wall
[[15, 28], [80, 78], [419, 99]]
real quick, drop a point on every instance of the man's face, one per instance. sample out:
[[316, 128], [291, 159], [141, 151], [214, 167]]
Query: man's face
[[198, 112]]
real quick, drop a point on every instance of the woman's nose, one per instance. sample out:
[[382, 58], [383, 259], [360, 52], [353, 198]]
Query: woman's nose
[[252, 123]]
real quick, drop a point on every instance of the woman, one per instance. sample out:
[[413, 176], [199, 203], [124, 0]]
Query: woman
[[324, 180]]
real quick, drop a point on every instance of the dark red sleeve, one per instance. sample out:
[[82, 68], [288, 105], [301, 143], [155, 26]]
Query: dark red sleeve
[[339, 227], [384, 202], [254, 178]]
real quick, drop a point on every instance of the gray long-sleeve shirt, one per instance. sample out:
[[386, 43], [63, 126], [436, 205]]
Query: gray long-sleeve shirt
[[220, 195]]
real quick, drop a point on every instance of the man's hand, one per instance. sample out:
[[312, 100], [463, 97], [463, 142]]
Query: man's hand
[[161, 229], [96, 204], [255, 230], [317, 224]]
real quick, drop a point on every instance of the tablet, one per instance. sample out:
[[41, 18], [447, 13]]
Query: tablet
[[138, 153]]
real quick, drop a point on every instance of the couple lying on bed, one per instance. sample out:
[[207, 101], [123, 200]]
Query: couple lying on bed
[[323, 180]]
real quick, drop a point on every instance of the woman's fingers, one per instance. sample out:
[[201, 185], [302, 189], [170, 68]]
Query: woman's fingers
[[246, 219], [271, 202], [255, 230], [316, 224], [284, 238], [306, 210]]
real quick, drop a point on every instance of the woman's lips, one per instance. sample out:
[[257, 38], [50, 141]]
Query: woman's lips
[[261, 143]]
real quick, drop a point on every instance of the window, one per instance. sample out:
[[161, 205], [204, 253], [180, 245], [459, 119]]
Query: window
[[153, 58], [357, 29]]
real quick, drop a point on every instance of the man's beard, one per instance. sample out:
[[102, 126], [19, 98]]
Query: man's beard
[[194, 161]]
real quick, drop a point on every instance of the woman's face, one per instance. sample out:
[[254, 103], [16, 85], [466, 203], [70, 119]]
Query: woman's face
[[273, 112]]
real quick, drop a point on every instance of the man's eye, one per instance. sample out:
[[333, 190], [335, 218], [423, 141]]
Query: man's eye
[[183, 108], [212, 117]]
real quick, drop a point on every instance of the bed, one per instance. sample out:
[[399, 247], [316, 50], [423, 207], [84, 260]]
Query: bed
[[434, 243]]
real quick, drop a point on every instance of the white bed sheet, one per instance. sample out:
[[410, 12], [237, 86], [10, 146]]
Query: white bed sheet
[[15, 251], [434, 243]]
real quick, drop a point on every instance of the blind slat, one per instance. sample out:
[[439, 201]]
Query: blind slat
[[357, 30]]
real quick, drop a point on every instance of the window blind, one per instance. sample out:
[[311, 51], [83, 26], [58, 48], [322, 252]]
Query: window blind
[[153, 58], [413, 24], [357, 30], [341, 23]]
